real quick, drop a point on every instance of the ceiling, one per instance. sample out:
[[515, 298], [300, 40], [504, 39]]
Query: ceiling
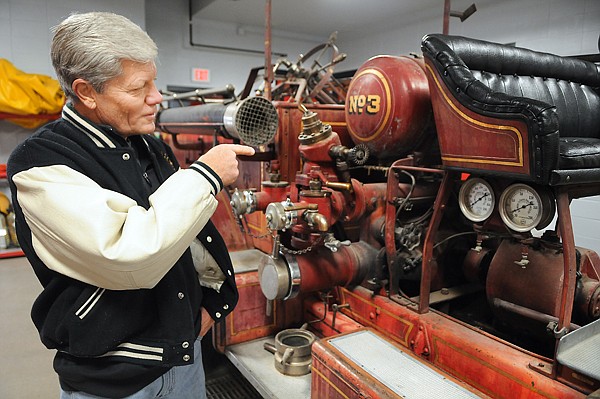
[[318, 18]]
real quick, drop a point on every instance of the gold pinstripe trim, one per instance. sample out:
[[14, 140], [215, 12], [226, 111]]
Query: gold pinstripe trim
[[388, 105], [409, 325], [328, 381], [257, 328], [437, 340], [343, 124], [482, 124]]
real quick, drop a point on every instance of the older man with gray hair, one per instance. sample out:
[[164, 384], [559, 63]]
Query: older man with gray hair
[[117, 233]]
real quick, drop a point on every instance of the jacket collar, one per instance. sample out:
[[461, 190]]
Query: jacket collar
[[103, 136]]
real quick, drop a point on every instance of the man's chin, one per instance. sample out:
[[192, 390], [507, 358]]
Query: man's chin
[[147, 128]]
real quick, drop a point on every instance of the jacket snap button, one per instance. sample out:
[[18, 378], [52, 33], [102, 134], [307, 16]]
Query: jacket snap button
[[225, 306], [186, 358], [180, 295], [126, 157], [217, 315], [185, 345], [208, 239], [229, 272]]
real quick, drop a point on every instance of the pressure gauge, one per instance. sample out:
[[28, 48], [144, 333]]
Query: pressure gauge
[[476, 199], [523, 208]]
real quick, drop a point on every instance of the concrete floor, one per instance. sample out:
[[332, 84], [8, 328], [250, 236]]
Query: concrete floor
[[25, 364]]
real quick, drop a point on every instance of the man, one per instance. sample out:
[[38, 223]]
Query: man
[[133, 272]]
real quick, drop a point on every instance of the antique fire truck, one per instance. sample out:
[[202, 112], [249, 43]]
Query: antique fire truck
[[393, 237]]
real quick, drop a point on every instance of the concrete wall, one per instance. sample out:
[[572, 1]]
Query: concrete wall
[[563, 27], [169, 27], [25, 41]]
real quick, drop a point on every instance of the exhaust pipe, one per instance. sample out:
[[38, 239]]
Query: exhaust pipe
[[253, 120]]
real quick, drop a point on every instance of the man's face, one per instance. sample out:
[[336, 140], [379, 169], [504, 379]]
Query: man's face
[[128, 102]]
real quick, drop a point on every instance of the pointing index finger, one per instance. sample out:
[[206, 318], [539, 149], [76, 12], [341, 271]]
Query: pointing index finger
[[242, 149]]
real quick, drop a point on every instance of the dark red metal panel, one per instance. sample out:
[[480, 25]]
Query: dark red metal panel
[[472, 141], [388, 106]]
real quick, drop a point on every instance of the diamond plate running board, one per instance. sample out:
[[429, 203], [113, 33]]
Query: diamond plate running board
[[397, 370], [580, 350]]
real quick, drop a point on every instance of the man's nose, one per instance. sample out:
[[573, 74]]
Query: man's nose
[[154, 97]]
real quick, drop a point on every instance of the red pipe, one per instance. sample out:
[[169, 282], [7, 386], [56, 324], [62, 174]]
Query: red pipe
[[268, 66], [323, 270], [446, 27], [568, 240], [427, 263]]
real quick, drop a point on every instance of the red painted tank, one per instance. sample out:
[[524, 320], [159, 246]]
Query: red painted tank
[[388, 107]]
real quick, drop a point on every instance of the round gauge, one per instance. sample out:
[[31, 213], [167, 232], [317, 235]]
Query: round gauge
[[476, 199], [522, 208]]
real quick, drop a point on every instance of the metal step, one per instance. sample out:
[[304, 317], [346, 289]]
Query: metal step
[[223, 380], [580, 350], [257, 366]]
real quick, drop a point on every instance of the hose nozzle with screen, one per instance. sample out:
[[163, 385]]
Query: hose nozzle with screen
[[253, 120]]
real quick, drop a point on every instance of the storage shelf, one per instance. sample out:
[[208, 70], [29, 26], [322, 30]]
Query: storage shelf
[[11, 253], [5, 115], [16, 252]]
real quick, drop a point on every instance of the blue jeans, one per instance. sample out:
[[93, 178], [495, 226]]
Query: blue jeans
[[185, 382]]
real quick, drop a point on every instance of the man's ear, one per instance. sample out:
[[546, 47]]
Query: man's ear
[[85, 93]]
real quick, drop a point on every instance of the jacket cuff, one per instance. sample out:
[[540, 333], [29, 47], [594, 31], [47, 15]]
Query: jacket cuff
[[219, 304], [210, 175]]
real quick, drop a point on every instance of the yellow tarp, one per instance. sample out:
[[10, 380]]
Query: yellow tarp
[[28, 94]]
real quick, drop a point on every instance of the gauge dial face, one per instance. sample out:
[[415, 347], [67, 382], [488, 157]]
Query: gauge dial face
[[476, 199], [521, 207]]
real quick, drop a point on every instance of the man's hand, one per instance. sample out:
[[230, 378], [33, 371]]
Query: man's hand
[[222, 159], [207, 322]]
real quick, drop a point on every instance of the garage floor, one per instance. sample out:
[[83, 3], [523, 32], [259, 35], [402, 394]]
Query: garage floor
[[26, 365]]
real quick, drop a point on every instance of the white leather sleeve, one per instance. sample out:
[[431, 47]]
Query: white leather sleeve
[[105, 238]]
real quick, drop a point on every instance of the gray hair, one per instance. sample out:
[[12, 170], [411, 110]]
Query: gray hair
[[91, 46]]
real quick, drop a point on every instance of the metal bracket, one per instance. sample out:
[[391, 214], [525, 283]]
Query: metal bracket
[[335, 307]]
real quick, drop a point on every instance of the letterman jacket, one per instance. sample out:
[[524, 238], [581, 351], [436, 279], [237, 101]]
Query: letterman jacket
[[113, 259]]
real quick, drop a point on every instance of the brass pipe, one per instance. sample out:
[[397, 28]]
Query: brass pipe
[[314, 218], [339, 186]]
